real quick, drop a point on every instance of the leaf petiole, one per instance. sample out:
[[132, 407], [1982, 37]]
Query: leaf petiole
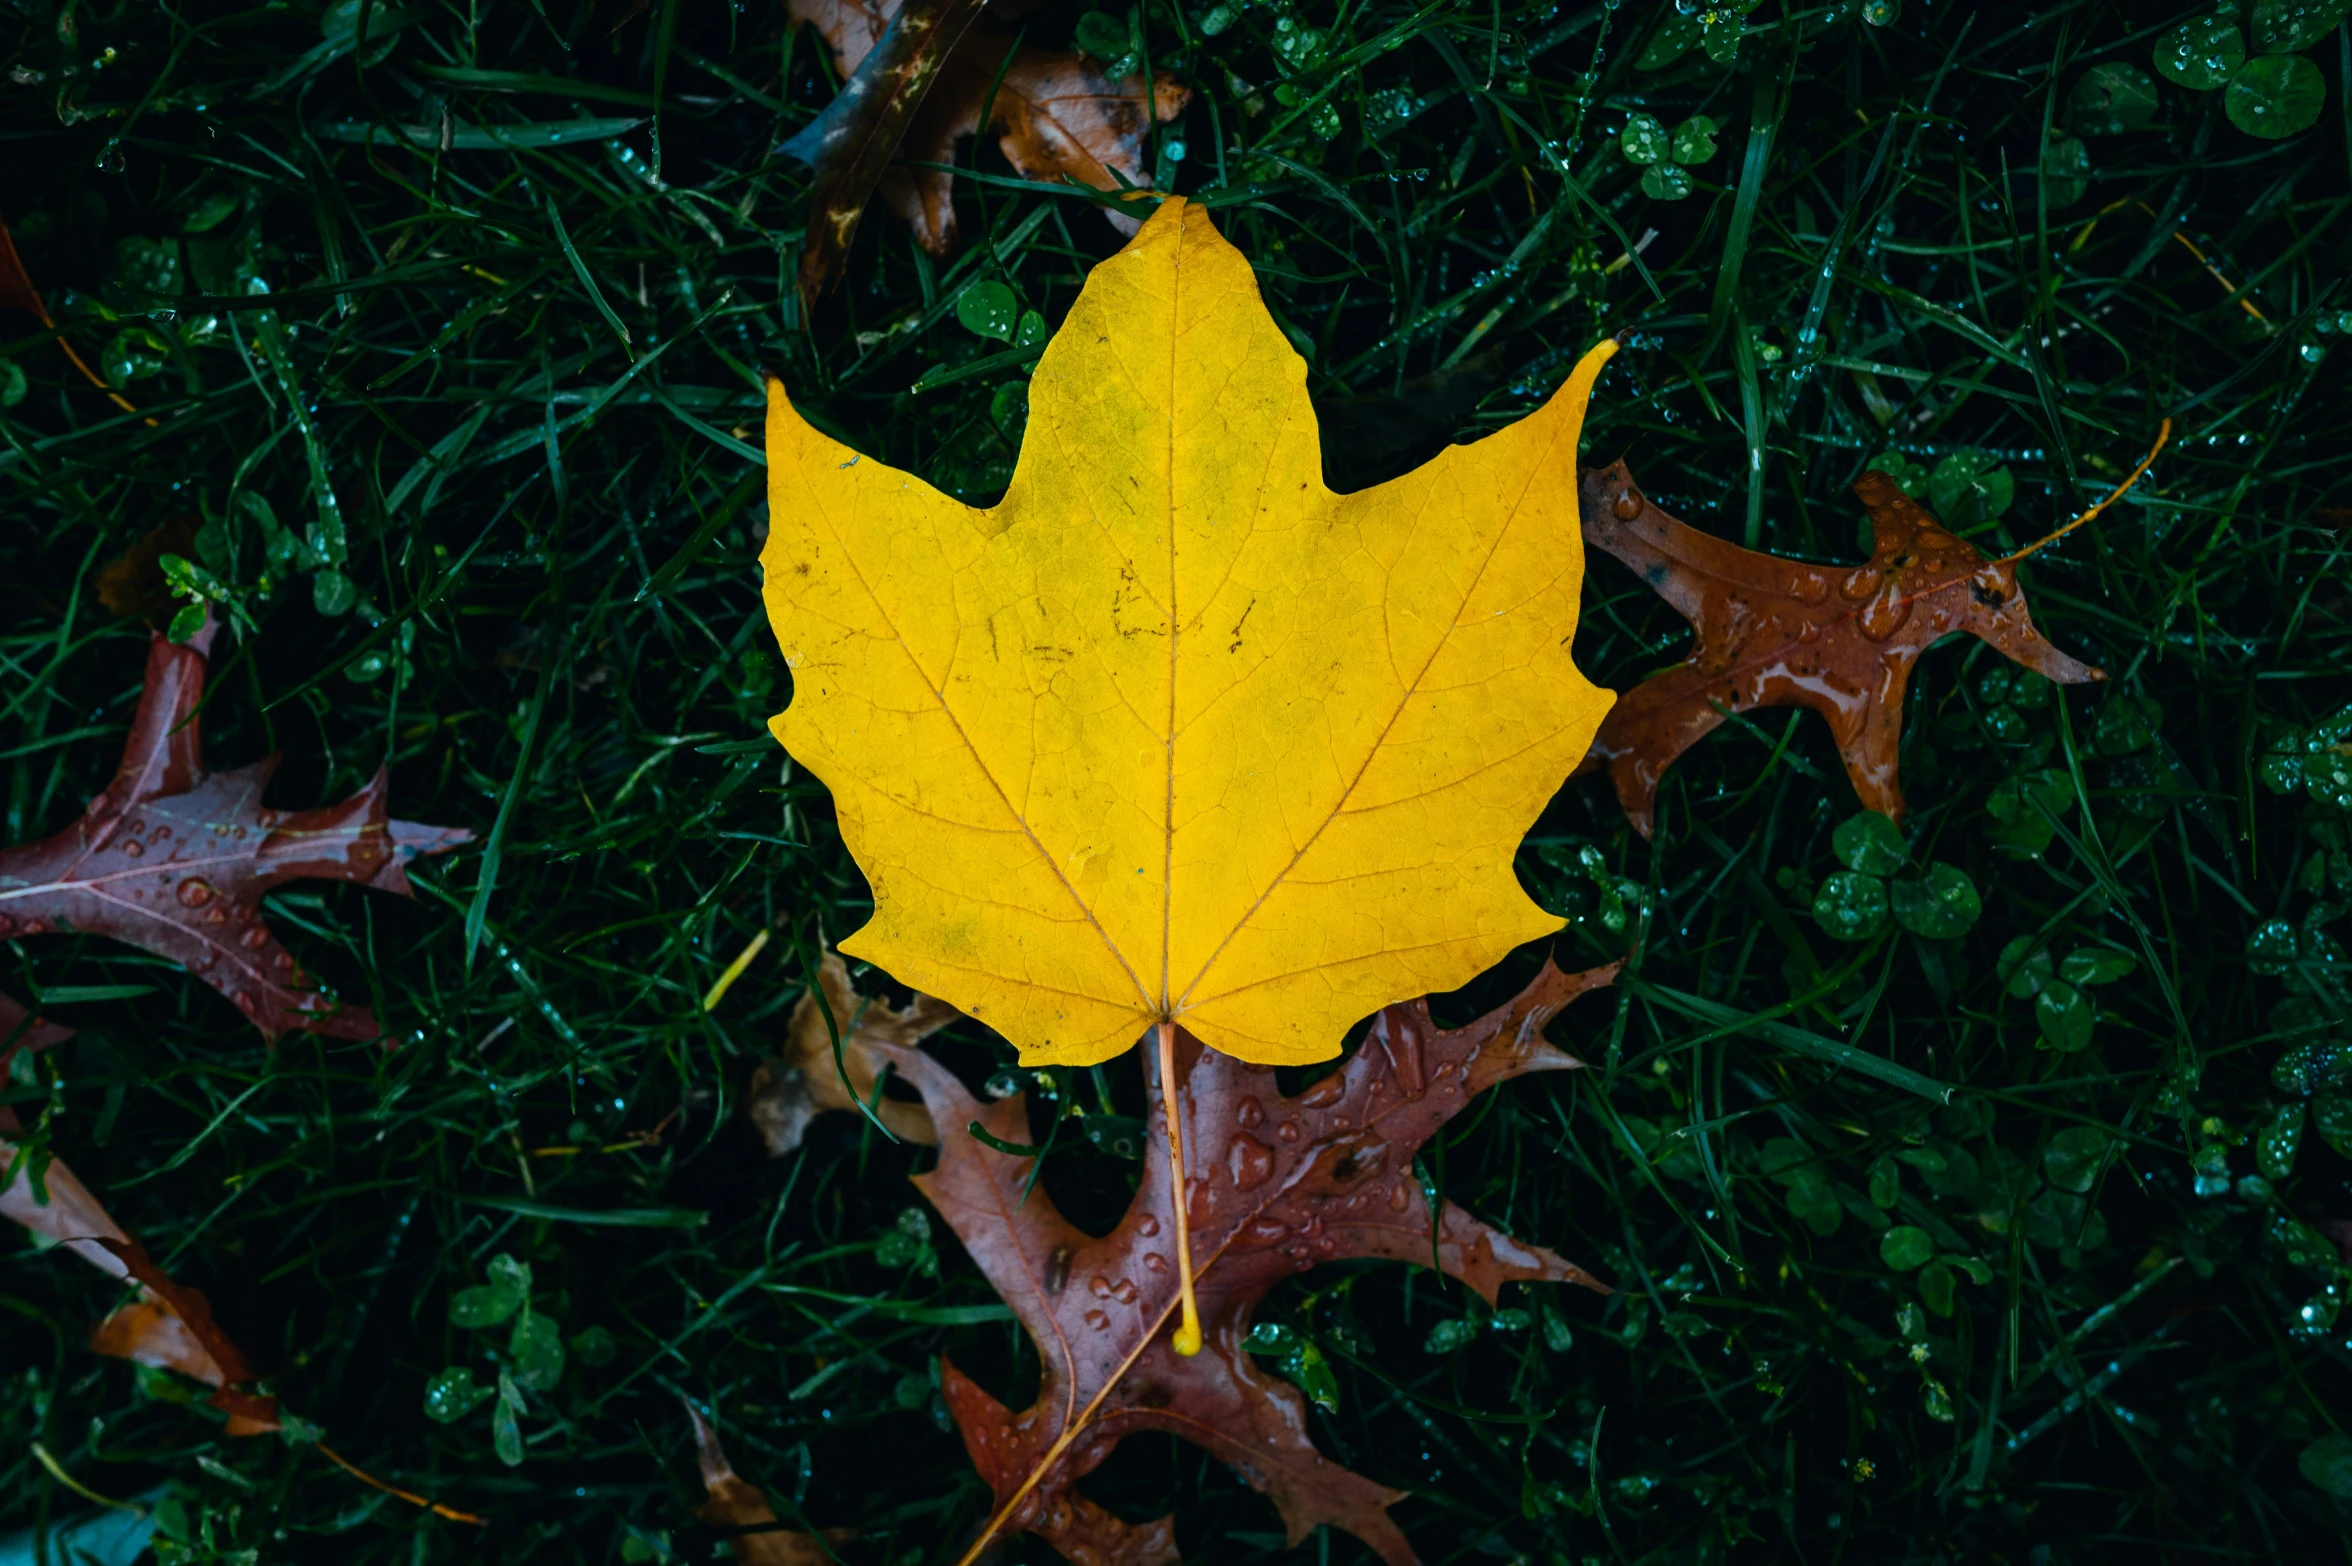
[[1188, 1332]]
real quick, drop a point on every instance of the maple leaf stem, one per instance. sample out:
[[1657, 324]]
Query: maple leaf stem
[[2163, 434], [1188, 1333]]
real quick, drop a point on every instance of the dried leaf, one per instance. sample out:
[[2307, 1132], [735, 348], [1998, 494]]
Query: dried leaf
[[853, 141], [1174, 733], [164, 1324], [132, 585], [1774, 632], [1058, 116], [735, 1506], [1276, 1185], [787, 1094], [249, 1413], [175, 859]]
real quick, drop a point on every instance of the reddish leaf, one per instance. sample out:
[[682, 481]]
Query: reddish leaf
[[1275, 1185], [1786, 633], [740, 1510], [175, 859], [787, 1094], [1059, 118]]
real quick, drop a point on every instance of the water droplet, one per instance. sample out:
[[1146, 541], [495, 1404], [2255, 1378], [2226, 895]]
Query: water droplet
[[1147, 1225], [1324, 1093], [1860, 583], [1098, 1321], [1099, 1286], [1809, 587], [1627, 505], [195, 893], [246, 1003], [1248, 1112], [1155, 1262], [1264, 1230], [1288, 1131], [1251, 1161], [133, 847], [256, 938], [1884, 615], [1124, 1291], [162, 834], [1400, 1197]]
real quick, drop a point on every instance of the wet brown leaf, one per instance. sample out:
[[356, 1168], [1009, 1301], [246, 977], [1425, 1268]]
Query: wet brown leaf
[[1275, 1185], [174, 858], [1774, 632], [789, 1092], [1057, 116]]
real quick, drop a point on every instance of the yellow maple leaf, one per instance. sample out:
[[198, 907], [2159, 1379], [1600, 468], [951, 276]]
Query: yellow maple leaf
[[1173, 733]]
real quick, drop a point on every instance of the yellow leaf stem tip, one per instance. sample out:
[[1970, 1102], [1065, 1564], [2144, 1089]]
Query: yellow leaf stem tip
[[1188, 1331]]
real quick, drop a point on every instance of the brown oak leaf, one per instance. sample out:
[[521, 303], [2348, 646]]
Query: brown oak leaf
[[1057, 115], [174, 858], [1774, 632], [1275, 1184], [787, 1093]]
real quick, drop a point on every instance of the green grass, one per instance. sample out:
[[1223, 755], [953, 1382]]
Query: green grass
[[530, 372]]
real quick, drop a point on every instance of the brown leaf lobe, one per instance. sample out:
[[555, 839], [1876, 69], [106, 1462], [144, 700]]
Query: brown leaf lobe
[[1774, 632]]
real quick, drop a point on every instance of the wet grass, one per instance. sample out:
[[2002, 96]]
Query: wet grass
[[2030, 1302]]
